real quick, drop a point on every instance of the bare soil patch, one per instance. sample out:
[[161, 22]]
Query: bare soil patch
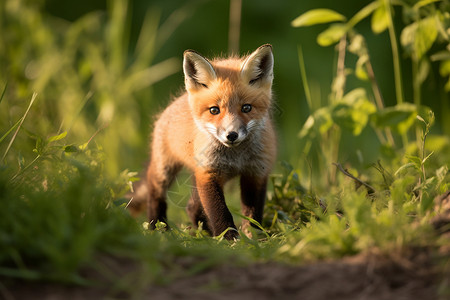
[[411, 275]]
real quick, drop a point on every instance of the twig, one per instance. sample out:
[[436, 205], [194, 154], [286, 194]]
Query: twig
[[378, 97], [370, 189]]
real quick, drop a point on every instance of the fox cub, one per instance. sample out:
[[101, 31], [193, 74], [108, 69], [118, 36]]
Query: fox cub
[[219, 129]]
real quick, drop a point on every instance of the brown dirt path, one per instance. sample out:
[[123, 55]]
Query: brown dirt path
[[410, 276]]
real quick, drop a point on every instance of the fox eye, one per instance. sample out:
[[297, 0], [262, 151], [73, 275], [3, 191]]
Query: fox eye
[[246, 108], [214, 110]]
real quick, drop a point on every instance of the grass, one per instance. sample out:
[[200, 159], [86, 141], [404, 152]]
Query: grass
[[58, 217], [62, 194]]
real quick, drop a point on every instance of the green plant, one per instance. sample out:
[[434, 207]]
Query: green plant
[[351, 111], [84, 72]]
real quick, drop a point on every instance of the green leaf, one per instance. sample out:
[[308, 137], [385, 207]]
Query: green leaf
[[416, 161], [3, 93], [363, 13], [418, 37], [332, 35], [317, 16], [404, 167], [441, 55], [360, 70], [425, 36], [57, 137], [320, 121], [357, 45], [426, 158], [423, 3], [70, 149], [20, 160], [353, 112], [10, 130], [444, 70], [399, 118], [380, 19], [40, 144], [423, 71]]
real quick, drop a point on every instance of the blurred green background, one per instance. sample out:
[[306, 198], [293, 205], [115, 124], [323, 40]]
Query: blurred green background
[[104, 69]]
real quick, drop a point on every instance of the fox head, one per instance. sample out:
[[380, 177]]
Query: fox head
[[230, 98]]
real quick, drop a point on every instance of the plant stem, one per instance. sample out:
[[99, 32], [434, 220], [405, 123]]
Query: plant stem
[[234, 26], [416, 93], [340, 73], [395, 55], [378, 98], [338, 88], [305, 79], [396, 61]]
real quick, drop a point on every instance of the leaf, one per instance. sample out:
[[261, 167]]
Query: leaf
[[425, 36], [357, 45], [426, 158], [10, 130], [404, 167], [380, 19], [3, 93], [57, 137], [332, 35], [399, 118], [317, 16], [416, 161], [20, 160], [39, 146], [441, 55], [353, 112], [423, 71], [70, 149], [363, 13], [418, 37], [320, 121], [444, 70], [423, 3], [360, 70]]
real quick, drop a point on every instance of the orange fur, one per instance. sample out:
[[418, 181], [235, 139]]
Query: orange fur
[[216, 147]]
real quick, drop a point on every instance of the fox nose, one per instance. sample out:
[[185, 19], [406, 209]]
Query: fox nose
[[232, 136]]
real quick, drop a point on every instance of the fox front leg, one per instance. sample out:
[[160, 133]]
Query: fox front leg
[[210, 191], [253, 196]]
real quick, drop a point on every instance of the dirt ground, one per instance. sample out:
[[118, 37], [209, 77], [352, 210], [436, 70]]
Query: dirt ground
[[414, 273], [411, 275]]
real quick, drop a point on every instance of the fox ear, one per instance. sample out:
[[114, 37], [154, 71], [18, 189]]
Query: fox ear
[[198, 71], [258, 67]]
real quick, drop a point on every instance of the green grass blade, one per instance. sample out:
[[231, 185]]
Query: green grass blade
[[3, 93], [10, 130], [304, 78], [33, 98]]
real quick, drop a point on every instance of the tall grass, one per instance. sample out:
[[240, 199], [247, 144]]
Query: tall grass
[[85, 73]]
